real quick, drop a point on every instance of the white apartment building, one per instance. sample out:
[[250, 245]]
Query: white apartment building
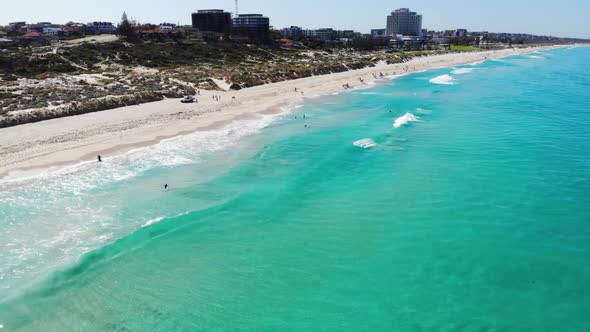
[[404, 22]]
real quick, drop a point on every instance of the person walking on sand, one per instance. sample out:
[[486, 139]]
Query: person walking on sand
[[99, 159]]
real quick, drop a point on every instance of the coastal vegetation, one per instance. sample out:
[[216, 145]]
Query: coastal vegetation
[[54, 81], [464, 48], [90, 77]]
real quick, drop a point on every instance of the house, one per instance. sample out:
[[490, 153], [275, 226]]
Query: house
[[101, 27], [16, 25], [38, 27], [35, 37], [75, 29], [167, 27], [53, 31]]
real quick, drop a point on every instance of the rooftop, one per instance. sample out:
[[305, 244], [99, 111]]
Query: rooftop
[[250, 15], [210, 11]]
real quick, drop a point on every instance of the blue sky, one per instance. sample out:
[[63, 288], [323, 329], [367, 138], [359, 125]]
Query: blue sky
[[560, 18]]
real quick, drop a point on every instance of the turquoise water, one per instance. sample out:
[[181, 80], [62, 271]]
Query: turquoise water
[[472, 215]]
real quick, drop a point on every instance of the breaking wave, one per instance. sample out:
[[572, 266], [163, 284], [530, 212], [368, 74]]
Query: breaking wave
[[443, 79], [405, 119], [365, 143]]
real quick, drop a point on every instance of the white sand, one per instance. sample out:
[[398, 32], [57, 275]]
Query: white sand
[[69, 140]]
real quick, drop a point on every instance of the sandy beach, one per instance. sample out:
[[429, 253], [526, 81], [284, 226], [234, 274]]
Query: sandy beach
[[31, 148]]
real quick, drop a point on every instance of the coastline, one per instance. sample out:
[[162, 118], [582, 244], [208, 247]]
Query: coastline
[[35, 147]]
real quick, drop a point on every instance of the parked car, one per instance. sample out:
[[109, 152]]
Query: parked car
[[187, 100]]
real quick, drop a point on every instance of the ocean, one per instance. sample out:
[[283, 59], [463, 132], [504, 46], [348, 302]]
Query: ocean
[[456, 199]]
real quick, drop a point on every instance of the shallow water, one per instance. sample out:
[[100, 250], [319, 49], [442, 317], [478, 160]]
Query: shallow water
[[419, 206]]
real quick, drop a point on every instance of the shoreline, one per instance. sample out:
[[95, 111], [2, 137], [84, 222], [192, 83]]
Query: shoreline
[[31, 149]]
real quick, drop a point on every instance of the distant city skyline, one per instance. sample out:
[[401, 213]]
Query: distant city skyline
[[565, 18]]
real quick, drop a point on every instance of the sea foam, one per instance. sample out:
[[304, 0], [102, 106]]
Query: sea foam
[[405, 119], [152, 221], [365, 143], [443, 79], [423, 111], [461, 71]]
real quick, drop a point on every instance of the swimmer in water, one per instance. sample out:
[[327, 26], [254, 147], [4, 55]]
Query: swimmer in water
[[166, 186]]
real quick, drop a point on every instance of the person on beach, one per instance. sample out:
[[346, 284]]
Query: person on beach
[[166, 187], [99, 159]]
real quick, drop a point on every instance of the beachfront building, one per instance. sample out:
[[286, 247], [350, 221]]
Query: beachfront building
[[167, 27], [253, 26], [404, 22], [39, 27], [461, 33], [73, 29], [212, 20], [36, 37], [101, 27], [309, 34], [325, 34], [16, 25], [293, 33], [53, 31], [378, 33]]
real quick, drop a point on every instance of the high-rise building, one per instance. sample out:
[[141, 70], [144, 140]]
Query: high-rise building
[[404, 22], [212, 20], [254, 26]]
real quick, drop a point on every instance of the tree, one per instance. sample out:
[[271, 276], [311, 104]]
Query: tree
[[126, 29]]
